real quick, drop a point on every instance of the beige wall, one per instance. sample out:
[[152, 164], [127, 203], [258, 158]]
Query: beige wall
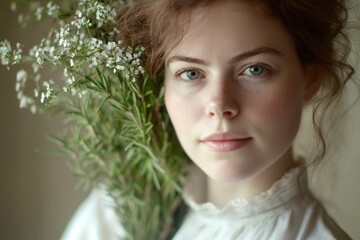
[[337, 181], [37, 195]]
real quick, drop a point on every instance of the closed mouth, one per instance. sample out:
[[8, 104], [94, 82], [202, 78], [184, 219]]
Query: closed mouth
[[225, 142]]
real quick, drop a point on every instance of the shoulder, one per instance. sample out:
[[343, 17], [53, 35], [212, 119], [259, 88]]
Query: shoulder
[[95, 219], [317, 224]]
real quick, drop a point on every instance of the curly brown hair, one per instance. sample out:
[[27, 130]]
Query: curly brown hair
[[316, 26]]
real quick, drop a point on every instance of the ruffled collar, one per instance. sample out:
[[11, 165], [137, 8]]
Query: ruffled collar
[[290, 188]]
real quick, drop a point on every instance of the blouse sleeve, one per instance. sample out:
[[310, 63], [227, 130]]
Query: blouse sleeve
[[95, 219]]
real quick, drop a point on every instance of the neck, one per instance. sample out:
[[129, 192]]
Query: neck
[[220, 193]]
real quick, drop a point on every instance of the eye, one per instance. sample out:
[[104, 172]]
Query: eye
[[189, 75], [255, 70]]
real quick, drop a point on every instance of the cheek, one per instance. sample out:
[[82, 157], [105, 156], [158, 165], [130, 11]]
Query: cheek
[[180, 111], [281, 112]]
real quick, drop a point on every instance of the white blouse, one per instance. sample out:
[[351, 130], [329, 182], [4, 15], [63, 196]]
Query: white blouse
[[285, 211]]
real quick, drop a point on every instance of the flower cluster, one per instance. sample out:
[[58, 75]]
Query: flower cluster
[[8, 55], [85, 40]]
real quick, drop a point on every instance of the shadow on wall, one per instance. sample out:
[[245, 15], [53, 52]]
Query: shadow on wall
[[336, 180]]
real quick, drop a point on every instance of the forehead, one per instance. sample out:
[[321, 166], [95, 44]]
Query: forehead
[[233, 26]]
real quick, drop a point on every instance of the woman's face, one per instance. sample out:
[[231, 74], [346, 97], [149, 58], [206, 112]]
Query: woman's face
[[235, 90]]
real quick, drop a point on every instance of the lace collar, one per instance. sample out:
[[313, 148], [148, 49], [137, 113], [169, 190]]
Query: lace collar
[[290, 188]]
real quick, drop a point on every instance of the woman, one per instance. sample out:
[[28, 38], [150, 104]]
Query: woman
[[237, 76]]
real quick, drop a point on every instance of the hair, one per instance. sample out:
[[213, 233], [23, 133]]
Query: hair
[[317, 28]]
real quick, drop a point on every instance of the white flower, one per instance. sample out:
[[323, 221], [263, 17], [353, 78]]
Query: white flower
[[66, 73], [21, 19], [38, 53], [102, 12], [110, 46], [17, 87], [70, 80], [21, 76], [13, 6], [25, 101], [39, 12], [33, 109], [141, 69], [52, 9], [119, 67], [93, 62], [5, 51], [78, 14], [42, 98], [17, 54], [73, 91], [63, 34], [81, 22], [35, 67], [129, 56], [49, 91]]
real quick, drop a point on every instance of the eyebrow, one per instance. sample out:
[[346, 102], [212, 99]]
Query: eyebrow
[[237, 58]]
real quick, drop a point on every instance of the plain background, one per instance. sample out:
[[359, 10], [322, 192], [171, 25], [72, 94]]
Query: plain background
[[37, 191]]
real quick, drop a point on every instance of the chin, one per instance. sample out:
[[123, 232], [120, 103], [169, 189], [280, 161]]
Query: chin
[[230, 173]]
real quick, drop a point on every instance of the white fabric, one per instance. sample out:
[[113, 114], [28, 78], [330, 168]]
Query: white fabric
[[286, 211], [95, 219]]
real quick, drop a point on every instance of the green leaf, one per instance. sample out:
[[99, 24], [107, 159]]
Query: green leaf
[[102, 103]]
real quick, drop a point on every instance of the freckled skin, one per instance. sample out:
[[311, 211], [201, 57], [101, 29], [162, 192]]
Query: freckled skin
[[225, 98]]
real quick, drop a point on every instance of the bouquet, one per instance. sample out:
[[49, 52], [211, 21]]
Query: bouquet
[[118, 133]]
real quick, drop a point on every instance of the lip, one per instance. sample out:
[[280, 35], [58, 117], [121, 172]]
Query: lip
[[225, 142]]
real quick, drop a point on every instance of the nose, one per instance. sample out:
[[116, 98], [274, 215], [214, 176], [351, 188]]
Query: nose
[[222, 101]]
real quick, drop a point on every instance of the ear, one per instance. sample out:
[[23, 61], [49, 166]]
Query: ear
[[313, 78]]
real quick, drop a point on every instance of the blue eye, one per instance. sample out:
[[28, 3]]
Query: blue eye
[[255, 70], [190, 75]]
